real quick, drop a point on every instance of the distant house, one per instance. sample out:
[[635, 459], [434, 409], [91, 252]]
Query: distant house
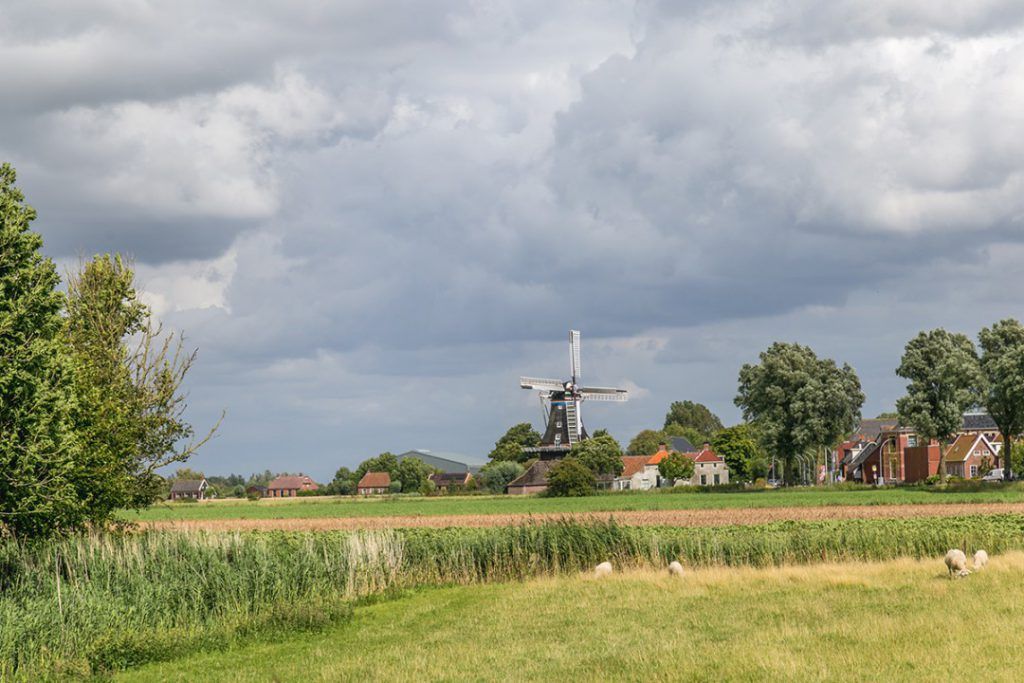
[[288, 486], [533, 480], [633, 476], [256, 490], [374, 483], [969, 455], [446, 462], [640, 472], [189, 488], [709, 469], [451, 481]]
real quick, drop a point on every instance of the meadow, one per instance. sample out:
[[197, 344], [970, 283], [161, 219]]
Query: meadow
[[94, 604], [899, 620], [389, 506]]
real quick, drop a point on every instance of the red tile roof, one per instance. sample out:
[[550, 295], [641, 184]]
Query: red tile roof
[[375, 480], [631, 464], [657, 457], [289, 483], [706, 455]]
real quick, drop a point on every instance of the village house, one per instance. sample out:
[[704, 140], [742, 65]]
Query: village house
[[641, 473], [970, 456], [634, 476], [533, 480], [451, 481], [288, 486], [374, 483], [194, 489]]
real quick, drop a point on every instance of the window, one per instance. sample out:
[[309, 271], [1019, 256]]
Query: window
[[974, 471], [977, 452], [558, 424], [703, 480], [912, 441], [718, 479]]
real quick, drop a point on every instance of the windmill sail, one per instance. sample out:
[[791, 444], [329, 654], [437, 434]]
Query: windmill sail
[[574, 354]]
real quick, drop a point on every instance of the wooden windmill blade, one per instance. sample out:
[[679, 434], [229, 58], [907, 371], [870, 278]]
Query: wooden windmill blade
[[541, 383], [604, 394], [574, 354]]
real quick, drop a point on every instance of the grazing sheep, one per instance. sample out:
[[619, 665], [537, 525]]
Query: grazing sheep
[[980, 560], [603, 569], [675, 569], [956, 563]]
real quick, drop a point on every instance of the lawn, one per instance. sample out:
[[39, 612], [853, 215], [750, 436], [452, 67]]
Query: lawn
[[388, 506], [895, 620]]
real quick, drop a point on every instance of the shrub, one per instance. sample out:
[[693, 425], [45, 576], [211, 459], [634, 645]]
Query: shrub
[[569, 477], [676, 466], [495, 476], [395, 487]]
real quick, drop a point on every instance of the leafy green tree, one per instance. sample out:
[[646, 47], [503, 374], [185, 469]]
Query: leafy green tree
[[695, 416], [676, 467], [742, 452], [40, 453], [510, 446], [1002, 369], [343, 483], [646, 442], [385, 462], [413, 473], [798, 401], [689, 433], [570, 478], [600, 455], [496, 475], [600, 432], [187, 473], [395, 487], [944, 377]]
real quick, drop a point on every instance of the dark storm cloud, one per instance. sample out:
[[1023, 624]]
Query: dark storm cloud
[[371, 217]]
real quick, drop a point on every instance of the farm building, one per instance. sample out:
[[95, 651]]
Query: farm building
[[633, 476], [640, 472], [288, 486], [446, 462], [256, 490], [971, 456], [374, 483], [194, 489], [451, 481], [533, 480]]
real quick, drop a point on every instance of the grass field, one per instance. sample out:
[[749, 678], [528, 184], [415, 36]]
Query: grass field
[[349, 506], [896, 620]]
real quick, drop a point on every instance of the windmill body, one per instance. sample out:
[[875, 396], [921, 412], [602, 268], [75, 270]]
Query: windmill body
[[564, 400]]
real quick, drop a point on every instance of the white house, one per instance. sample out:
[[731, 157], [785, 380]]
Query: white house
[[640, 472]]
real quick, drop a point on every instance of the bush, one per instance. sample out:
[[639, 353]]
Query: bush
[[569, 478], [395, 487], [495, 476]]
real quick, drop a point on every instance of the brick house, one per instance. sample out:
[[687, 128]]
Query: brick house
[[288, 486], [971, 456], [451, 481], [533, 480], [194, 489], [642, 473], [374, 483]]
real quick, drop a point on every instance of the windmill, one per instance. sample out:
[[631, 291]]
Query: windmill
[[564, 398]]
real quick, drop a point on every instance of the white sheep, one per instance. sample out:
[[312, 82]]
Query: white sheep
[[980, 560], [675, 569], [603, 569], [956, 563]]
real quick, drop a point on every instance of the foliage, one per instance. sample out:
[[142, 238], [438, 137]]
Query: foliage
[[395, 487], [570, 478], [385, 462], [510, 445], [742, 452], [42, 474], [944, 376], [689, 433], [696, 416], [496, 475], [343, 484], [646, 442], [600, 454], [798, 401], [413, 474], [676, 467], [1002, 371]]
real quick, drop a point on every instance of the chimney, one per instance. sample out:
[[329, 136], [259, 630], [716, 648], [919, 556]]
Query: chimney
[[662, 446], [707, 445]]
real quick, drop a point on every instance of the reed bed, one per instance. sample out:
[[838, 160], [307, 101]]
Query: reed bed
[[96, 603]]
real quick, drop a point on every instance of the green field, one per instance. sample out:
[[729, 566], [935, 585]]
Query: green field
[[350, 506], [897, 620]]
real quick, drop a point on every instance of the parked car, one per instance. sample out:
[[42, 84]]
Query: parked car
[[995, 475]]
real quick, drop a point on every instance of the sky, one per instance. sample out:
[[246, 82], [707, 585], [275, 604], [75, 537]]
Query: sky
[[372, 217]]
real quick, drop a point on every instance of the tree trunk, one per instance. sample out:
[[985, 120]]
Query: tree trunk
[[1007, 452], [942, 460]]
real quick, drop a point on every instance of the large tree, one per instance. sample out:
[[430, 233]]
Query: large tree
[[39, 450], [646, 442], [676, 466], [385, 462], [496, 475], [1002, 369], [696, 416], [798, 401], [601, 455], [510, 445], [944, 378]]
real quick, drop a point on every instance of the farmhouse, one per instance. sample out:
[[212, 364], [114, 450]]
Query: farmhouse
[[640, 472], [533, 480], [194, 489], [451, 481], [374, 483], [633, 476], [287, 486]]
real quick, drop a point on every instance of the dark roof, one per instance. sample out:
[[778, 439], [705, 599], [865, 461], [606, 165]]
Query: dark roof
[[537, 475], [681, 444], [980, 421], [187, 485], [868, 430], [375, 480], [865, 453]]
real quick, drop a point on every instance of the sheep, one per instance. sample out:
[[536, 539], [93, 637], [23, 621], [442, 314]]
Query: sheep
[[980, 560], [675, 569], [956, 563], [603, 569]]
